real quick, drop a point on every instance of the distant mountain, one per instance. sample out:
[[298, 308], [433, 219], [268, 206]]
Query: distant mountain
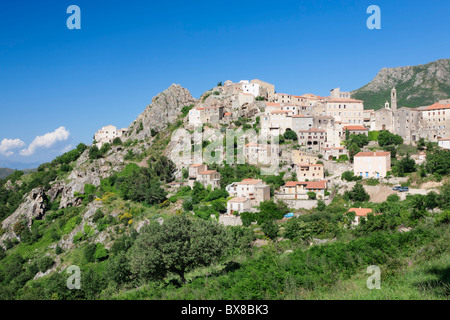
[[4, 172], [416, 85]]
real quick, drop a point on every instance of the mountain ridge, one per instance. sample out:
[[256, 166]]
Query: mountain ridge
[[417, 86]]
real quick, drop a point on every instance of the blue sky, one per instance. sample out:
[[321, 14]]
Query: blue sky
[[128, 51]]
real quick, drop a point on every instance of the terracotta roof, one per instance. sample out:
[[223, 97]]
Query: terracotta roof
[[373, 154], [250, 181], [294, 183], [272, 104], [438, 106], [207, 172], [227, 114], [195, 165], [360, 212], [284, 111], [444, 139], [238, 200], [355, 128], [343, 100], [308, 184], [312, 130], [316, 184]]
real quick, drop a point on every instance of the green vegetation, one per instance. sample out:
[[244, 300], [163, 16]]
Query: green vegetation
[[408, 92]]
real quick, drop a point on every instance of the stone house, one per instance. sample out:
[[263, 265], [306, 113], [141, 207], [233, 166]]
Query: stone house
[[309, 171], [372, 164], [296, 190], [200, 173]]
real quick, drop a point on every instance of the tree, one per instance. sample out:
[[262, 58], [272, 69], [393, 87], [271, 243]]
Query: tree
[[94, 153], [421, 144], [311, 195], [361, 140], [270, 229], [269, 210], [385, 138], [353, 149], [438, 162], [357, 194], [117, 142], [321, 206], [290, 135], [177, 246], [408, 165]]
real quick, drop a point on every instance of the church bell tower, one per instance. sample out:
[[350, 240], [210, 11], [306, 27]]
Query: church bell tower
[[394, 100]]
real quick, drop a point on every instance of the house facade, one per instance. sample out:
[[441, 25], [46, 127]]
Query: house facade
[[372, 164], [298, 190], [200, 173]]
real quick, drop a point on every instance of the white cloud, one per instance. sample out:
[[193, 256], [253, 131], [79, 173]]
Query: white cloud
[[46, 141], [67, 148], [10, 144]]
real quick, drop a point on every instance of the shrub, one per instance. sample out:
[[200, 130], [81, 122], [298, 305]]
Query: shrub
[[290, 135], [393, 198], [311, 195], [117, 142], [270, 229], [97, 215], [372, 182], [350, 176], [44, 263]]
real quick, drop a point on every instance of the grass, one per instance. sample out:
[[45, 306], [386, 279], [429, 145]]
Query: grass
[[428, 280]]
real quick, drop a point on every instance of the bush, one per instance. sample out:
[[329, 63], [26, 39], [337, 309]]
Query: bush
[[350, 176], [270, 229], [311, 195], [290, 135], [97, 215], [247, 218], [393, 198], [117, 142], [100, 252], [357, 194], [372, 182], [44, 263]]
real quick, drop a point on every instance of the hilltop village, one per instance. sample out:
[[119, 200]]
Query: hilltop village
[[316, 135], [244, 193]]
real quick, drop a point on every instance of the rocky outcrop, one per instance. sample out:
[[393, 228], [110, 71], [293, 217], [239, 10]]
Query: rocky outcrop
[[164, 109], [416, 85], [33, 206], [87, 172]]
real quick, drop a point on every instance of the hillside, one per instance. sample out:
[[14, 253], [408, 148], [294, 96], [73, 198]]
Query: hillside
[[114, 213], [416, 85], [4, 172]]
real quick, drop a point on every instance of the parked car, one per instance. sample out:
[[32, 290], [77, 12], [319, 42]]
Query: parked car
[[397, 188], [404, 189]]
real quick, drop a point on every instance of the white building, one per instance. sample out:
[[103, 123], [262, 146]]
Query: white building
[[238, 205], [444, 143], [248, 87], [372, 164], [346, 110], [107, 135]]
